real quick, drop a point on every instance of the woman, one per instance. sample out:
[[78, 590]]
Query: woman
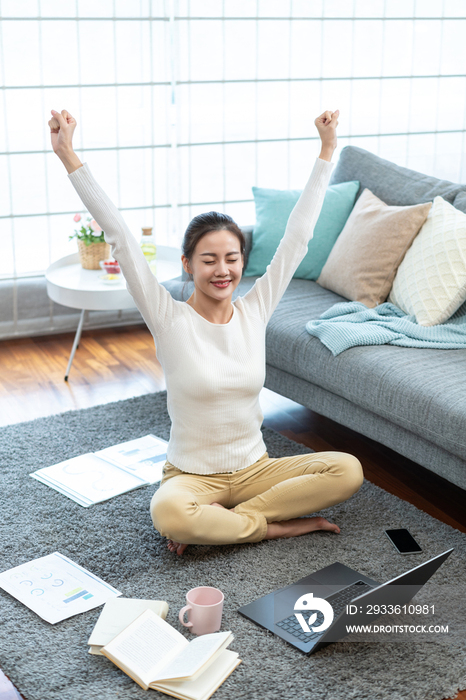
[[219, 485]]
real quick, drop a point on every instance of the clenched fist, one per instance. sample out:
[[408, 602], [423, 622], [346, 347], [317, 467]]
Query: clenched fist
[[62, 127], [326, 126]]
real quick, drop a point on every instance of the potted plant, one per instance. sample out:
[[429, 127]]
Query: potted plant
[[91, 243]]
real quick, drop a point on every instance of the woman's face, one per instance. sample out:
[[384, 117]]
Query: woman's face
[[216, 264]]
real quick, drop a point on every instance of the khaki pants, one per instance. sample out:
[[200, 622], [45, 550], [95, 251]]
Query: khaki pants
[[269, 490]]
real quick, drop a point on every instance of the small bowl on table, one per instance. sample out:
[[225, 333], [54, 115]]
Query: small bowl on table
[[112, 271]]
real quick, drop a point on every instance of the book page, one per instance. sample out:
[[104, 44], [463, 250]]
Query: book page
[[207, 683], [118, 613], [145, 646], [193, 657], [95, 649]]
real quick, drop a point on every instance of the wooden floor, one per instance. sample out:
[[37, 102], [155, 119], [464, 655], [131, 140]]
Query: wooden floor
[[116, 364]]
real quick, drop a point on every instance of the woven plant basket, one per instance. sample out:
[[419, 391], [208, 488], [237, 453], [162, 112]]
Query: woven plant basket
[[90, 255]]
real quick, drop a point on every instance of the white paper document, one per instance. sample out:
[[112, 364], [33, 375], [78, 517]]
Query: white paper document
[[55, 587], [143, 457], [97, 476]]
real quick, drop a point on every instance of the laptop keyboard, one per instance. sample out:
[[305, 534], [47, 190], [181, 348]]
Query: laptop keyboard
[[338, 601]]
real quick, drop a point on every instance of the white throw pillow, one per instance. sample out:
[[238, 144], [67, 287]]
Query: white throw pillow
[[430, 283]]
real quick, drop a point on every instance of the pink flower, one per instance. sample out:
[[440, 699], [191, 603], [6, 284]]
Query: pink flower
[[77, 217], [95, 226]]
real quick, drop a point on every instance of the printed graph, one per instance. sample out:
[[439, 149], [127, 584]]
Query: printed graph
[[77, 593], [55, 587]]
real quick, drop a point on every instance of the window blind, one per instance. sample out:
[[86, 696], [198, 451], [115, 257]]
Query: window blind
[[183, 105]]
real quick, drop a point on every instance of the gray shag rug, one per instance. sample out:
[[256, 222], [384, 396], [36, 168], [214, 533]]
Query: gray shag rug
[[116, 541]]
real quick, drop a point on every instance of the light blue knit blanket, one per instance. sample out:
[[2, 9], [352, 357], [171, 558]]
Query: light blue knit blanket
[[351, 323]]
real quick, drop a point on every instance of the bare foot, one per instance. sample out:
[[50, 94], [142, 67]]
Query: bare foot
[[177, 547], [298, 526]]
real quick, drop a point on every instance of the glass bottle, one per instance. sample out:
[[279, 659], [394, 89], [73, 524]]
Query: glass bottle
[[149, 248]]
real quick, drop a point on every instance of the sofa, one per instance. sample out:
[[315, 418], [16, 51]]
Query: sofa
[[412, 400]]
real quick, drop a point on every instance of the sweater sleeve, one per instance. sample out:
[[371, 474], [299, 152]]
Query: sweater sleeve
[[267, 291], [152, 299]]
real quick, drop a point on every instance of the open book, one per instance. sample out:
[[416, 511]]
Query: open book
[[157, 656], [98, 476], [117, 614]]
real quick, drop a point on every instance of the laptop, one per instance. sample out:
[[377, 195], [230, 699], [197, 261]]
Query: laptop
[[295, 613]]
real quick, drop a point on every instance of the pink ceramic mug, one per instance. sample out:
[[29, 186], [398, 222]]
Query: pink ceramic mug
[[204, 610]]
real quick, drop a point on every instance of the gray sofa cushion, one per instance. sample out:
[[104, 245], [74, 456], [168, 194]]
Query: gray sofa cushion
[[414, 388], [391, 183]]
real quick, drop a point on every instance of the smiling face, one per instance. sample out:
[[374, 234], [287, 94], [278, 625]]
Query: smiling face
[[216, 264]]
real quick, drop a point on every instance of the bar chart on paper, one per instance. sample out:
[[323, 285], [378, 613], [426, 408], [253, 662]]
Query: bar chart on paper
[[55, 587], [77, 593]]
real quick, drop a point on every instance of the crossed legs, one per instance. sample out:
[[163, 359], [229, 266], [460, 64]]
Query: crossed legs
[[264, 501]]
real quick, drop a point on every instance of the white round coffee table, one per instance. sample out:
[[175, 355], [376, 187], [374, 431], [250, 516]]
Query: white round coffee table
[[69, 284]]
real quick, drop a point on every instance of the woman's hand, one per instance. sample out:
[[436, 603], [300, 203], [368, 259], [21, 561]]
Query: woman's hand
[[62, 128], [326, 126]]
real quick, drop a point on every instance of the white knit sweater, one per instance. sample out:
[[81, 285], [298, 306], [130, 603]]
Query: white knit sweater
[[214, 372]]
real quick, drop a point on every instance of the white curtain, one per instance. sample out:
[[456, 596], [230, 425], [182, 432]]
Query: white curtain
[[183, 105]]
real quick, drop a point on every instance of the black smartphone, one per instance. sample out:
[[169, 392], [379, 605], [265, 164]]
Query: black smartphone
[[403, 541]]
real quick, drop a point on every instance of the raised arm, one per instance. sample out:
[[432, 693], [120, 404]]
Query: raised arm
[[264, 296], [153, 301]]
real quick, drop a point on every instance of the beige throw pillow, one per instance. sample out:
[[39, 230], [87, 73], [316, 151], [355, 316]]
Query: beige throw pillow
[[365, 258], [431, 281]]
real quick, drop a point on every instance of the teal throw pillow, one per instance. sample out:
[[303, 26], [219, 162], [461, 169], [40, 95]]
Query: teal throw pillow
[[273, 207]]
